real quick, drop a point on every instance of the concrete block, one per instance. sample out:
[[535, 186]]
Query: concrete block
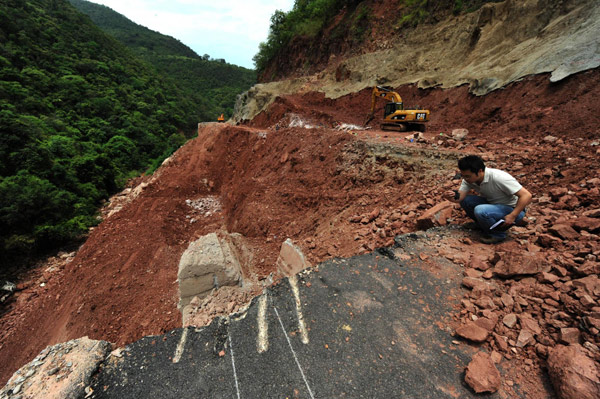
[[209, 262], [291, 260]]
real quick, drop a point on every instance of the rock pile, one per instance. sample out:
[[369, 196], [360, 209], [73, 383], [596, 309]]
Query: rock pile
[[526, 302]]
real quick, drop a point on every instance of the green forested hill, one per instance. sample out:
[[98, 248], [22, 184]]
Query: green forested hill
[[213, 85], [79, 113]]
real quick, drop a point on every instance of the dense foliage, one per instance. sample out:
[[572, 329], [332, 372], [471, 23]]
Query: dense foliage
[[306, 18], [79, 114], [212, 85]]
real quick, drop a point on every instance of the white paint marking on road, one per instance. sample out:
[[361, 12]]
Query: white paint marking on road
[[237, 388], [262, 340], [303, 332], [293, 353], [180, 346]]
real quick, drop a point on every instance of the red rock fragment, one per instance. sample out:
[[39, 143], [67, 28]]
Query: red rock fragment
[[486, 323], [530, 324], [482, 375], [569, 335], [525, 338], [592, 213], [591, 284], [436, 216], [471, 282], [519, 263], [547, 241], [587, 301], [510, 320], [564, 231], [558, 192], [591, 225], [374, 214], [479, 263], [507, 301], [548, 278], [501, 342], [472, 332]]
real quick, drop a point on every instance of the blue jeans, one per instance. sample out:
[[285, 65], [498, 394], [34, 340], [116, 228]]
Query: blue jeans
[[485, 215]]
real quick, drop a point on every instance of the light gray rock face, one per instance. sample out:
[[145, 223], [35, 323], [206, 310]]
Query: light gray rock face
[[209, 262], [62, 371]]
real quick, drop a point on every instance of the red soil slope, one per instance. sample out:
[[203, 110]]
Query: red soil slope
[[312, 185]]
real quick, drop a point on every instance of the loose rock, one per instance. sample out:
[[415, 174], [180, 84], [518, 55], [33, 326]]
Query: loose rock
[[482, 375]]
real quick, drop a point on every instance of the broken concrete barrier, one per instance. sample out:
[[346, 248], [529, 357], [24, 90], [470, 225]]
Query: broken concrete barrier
[[209, 262], [291, 260]]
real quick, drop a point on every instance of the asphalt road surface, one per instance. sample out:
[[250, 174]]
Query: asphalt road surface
[[371, 326]]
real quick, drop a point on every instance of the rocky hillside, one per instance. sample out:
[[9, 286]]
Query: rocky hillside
[[500, 43], [513, 82]]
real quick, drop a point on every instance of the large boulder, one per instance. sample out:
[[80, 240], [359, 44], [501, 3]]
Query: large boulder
[[61, 371], [519, 263], [574, 375]]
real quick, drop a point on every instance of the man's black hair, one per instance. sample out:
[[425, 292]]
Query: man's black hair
[[472, 163]]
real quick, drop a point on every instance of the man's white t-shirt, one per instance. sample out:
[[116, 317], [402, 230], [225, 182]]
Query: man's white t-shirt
[[498, 187]]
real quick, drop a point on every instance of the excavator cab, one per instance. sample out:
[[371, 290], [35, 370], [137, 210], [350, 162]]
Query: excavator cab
[[390, 108]]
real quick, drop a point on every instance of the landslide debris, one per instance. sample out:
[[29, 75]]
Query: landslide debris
[[304, 168]]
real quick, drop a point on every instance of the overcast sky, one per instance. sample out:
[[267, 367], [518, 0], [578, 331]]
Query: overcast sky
[[222, 29]]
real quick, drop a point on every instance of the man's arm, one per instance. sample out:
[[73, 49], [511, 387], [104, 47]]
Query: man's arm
[[524, 200]]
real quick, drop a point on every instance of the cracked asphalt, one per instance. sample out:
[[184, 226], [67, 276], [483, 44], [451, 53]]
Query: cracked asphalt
[[370, 326]]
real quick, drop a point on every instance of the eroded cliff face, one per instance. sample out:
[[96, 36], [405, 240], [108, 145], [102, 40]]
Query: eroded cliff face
[[487, 49]]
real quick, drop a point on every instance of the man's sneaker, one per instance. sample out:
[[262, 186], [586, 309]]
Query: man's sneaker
[[471, 226], [491, 240]]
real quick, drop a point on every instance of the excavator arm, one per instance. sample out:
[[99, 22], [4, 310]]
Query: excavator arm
[[385, 92]]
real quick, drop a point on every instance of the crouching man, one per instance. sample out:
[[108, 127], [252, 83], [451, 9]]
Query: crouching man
[[500, 197]]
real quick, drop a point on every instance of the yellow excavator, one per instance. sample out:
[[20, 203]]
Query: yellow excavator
[[221, 118], [395, 116]]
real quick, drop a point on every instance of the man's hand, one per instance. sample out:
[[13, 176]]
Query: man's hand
[[509, 220], [451, 195], [524, 199]]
